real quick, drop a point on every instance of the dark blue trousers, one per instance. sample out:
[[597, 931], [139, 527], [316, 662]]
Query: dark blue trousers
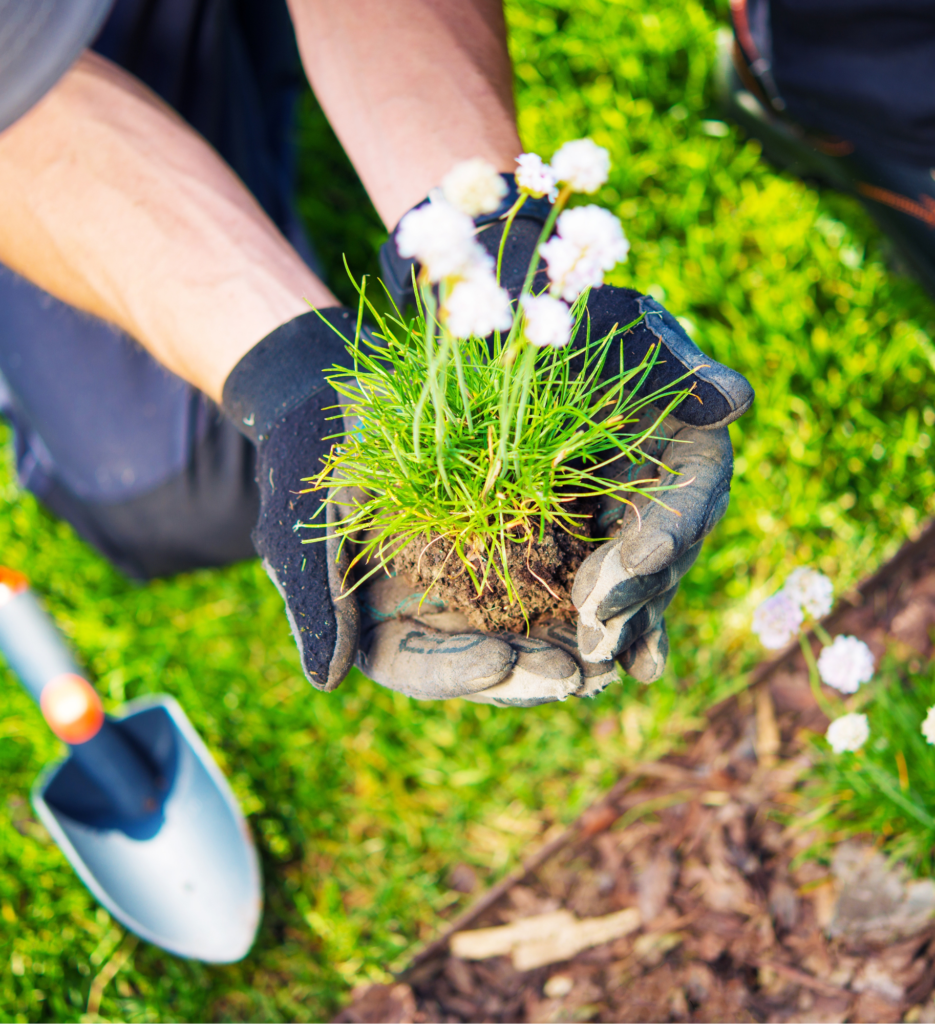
[[863, 70], [140, 462]]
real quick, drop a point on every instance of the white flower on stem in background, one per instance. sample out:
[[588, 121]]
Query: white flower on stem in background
[[849, 732], [846, 664], [589, 241], [548, 321], [477, 305], [535, 177], [777, 621], [440, 237], [582, 164], [811, 590], [474, 187], [928, 726]]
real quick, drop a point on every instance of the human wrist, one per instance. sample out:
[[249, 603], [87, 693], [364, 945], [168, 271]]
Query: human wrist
[[284, 369]]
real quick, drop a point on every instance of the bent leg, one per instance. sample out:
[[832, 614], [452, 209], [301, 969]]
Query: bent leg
[[139, 462]]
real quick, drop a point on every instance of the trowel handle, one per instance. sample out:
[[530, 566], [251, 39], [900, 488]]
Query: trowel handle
[[29, 639], [38, 656]]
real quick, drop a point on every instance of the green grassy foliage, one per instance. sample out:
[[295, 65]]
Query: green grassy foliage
[[361, 800], [512, 442], [887, 789]]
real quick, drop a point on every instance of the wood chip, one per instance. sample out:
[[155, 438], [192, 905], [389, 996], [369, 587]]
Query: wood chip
[[593, 931], [544, 938], [482, 943], [767, 731]]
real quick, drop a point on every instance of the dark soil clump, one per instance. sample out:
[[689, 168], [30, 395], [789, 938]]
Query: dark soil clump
[[535, 569]]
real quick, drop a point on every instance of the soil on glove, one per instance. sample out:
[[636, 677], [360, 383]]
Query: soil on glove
[[542, 573], [695, 878]]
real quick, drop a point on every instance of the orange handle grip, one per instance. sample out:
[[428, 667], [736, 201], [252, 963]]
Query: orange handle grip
[[11, 584], [71, 707]]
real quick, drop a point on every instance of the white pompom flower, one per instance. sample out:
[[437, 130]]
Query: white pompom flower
[[440, 237], [583, 165], [474, 187], [811, 590], [548, 321], [845, 664], [928, 726], [589, 241], [535, 177], [777, 620], [477, 305], [849, 732]]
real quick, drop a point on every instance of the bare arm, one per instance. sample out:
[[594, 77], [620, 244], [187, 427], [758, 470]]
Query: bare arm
[[411, 87], [109, 201]]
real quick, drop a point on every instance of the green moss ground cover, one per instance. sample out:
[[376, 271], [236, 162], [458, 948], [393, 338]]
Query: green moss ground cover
[[362, 801]]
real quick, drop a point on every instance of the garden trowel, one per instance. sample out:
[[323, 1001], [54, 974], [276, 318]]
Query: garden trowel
[[139, 806]]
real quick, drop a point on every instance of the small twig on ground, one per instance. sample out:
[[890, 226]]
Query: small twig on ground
[[109, 971]]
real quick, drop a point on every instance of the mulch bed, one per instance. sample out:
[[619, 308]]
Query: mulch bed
[[734, 927]]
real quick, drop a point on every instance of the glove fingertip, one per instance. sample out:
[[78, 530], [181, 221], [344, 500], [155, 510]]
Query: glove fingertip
[[646, 659]]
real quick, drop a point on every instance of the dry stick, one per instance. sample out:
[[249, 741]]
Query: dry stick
[[824, 988], [109, 971]]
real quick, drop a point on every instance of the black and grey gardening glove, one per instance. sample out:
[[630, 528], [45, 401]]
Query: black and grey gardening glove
[[623, 588], [278, 396]]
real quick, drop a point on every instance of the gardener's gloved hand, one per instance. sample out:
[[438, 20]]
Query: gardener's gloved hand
[[623, 588], [279, 398], [414, 644]]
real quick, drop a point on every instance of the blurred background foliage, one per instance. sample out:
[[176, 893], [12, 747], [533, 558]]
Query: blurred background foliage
[[363, 802]]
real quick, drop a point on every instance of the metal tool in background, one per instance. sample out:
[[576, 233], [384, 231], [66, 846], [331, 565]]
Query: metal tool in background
[[139, 807]]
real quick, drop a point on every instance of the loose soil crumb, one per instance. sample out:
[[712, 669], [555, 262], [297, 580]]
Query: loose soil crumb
[[535, 569]]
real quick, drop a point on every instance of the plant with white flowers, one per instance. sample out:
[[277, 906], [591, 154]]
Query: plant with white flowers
[[470, 424], [845, 662], [928, 726], [777, 620]]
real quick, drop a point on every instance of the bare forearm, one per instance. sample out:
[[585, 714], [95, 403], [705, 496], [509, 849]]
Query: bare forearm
[[411, 88], [111, 203]]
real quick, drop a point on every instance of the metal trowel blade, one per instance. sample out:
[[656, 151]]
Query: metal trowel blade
[[189, 879]]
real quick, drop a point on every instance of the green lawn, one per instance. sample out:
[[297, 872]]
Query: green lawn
[[362, 801]]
